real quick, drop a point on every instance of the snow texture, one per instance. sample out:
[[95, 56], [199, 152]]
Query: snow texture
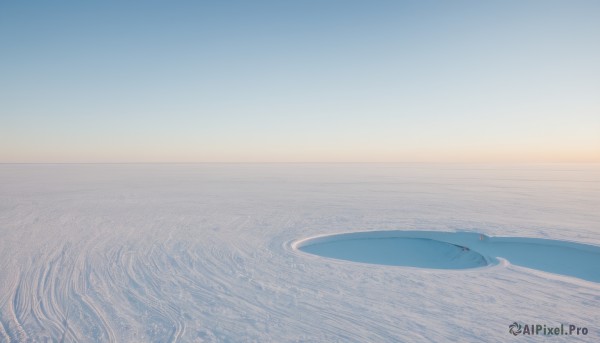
[[204, 252]]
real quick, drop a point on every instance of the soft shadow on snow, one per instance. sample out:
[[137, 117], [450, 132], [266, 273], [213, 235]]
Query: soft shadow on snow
[[457, 250]]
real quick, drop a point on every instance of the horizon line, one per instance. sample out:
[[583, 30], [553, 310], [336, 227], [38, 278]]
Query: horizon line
[[321, 162]]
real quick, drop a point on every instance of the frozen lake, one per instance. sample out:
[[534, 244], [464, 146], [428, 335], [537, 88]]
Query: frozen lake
[[457, 250], [203, 252]]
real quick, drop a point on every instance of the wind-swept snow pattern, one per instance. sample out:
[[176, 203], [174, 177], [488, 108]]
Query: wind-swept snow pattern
[[204, 253]]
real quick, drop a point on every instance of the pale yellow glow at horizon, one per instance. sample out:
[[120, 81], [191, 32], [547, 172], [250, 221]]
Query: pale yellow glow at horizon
[[155, 154]]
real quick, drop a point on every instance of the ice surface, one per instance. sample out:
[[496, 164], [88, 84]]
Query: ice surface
[[398, 251], [446, 250], [193, 253]]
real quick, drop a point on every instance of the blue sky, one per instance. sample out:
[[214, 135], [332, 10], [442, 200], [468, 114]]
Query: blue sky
[[299, 81]]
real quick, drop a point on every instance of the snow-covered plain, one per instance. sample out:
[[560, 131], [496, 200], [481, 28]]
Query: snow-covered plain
[[203, 252]]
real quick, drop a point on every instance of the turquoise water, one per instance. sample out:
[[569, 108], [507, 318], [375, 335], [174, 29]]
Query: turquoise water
[[460, 250]]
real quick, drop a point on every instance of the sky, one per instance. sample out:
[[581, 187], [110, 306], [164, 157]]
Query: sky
[[299, 81]]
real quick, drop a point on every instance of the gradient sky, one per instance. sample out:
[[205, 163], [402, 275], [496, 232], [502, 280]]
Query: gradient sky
[[299, 81]]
